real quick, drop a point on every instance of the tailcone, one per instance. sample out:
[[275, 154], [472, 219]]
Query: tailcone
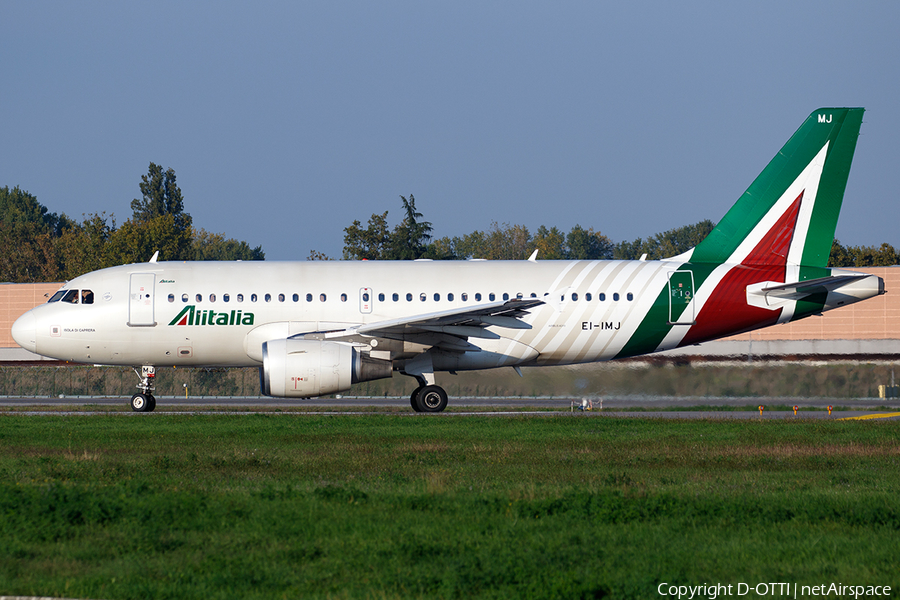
[[855, 291]]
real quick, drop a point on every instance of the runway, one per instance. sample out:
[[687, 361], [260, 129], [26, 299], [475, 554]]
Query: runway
[[625, 407]]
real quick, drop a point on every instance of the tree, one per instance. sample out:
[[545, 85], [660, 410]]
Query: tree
[[136, 242], [839, 257], [18, 207], [158, 221], [586, 244], [407, 241], [410, 237], [550, 243], [29, 253], [372, 243], [214, 246], [84, 247], [161, 197], [316, 255], [665, 245], [28, 232]]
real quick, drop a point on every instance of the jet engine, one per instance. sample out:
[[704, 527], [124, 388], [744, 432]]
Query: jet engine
[[306, 368]]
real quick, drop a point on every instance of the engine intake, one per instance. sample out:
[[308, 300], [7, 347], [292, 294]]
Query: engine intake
[[307, 368]]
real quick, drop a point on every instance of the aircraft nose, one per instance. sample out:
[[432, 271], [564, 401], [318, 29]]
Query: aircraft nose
[[23, 331]]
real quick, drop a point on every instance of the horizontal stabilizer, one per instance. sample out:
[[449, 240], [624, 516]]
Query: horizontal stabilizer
[[837, 290], [801, 289]]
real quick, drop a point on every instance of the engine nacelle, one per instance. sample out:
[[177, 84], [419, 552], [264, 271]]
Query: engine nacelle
[[307, 368]]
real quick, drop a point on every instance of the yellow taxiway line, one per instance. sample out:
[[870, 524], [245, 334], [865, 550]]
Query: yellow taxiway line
[[878, 416]]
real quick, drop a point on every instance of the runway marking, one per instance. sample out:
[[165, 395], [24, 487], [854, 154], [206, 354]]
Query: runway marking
[[878, 416]]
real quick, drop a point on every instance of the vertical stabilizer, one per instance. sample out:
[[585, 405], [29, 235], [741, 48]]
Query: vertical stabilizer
[[793, 205]]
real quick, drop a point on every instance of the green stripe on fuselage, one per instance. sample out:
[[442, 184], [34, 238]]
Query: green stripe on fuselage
[[655, 326]]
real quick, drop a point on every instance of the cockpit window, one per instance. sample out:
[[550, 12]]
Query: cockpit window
[[73, 297]]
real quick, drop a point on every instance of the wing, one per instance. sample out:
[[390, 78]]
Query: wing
[[448, 329]]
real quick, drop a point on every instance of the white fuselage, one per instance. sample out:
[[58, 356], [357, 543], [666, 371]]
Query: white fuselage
[[221, 313], [591, 309]]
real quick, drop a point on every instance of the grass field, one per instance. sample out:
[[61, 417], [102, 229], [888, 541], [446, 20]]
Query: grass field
[[385, 506]]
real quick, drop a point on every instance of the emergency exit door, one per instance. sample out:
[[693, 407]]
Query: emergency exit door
[[681, 294], [365, 300]]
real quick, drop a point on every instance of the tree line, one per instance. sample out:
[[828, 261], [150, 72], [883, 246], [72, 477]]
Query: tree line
[[412, 239], [39, 245]]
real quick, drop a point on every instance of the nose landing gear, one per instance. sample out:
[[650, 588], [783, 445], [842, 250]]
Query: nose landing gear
[[144, 400]]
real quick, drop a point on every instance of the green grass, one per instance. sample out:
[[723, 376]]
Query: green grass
[[384, 506]]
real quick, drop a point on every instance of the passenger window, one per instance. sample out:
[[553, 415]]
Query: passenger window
[[616, 297], [343, 297], [587, 296], [601, 297], [321, 297], [171, 297], [281, 297], [184, 297], [437, 297], [365, 296], [422, 296], [477, 296], [252, 297], [87, 297], [450, 297], [505, 296], [296, 297], [533, 295], [212, 297], [240, 297], [381, 297], [309, 297], [519, 296], [464, 296], [630, 296], [395, 297], [574, 296], [268, 297], [225, 297], [199, 297], [408, 297]]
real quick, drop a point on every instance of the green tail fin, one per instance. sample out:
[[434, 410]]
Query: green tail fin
[[808, 176]]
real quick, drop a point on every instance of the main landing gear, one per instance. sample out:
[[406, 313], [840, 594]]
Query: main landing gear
[[428, 398], [144, 400]]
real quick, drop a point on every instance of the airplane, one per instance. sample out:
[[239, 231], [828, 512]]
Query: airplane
[[316, 328]]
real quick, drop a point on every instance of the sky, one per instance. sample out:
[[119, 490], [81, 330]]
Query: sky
[[286, 121]]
